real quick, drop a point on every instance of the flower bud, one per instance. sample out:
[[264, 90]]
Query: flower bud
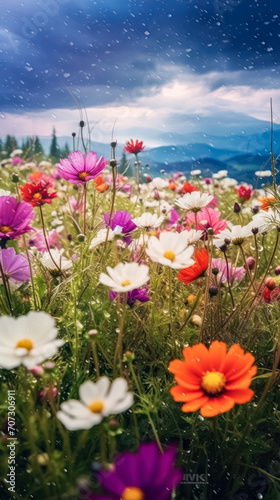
[[191, 299], [148, 178], [236, 208], [15, 178], [81, 238], [93, 332], [37, 370], [215, 271], [223, 248], [210, 231], [196, 320], [113, 163], [277, 270], [270, 283], [255, 210], [128, 356], [250, 263], [213, 291]]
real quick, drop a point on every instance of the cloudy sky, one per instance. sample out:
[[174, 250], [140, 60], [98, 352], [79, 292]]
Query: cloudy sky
[[165, 69]]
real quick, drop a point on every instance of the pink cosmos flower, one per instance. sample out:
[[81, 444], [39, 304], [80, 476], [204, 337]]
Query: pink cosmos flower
[[79, 168], [16, 160], [15, 267], [38, 241], [15, 218], [236, 273], [208, 218]]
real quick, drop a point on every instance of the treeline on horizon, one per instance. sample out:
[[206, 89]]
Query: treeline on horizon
[[32, 146]]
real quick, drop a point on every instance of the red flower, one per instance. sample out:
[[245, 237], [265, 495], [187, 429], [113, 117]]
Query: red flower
[[188, 188], [190, 274], [132, 147], [37, 193], [245, 193]]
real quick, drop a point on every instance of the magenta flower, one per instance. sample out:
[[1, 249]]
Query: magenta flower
[[147, 475], [38, 241], [208, 218], [236, 273], [79, 168], [122, 219], [15, 267], [16, 160], [140, 294], [15, 218], [174, 217]]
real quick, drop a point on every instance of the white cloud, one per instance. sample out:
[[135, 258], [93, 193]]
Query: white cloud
[[180, 106]]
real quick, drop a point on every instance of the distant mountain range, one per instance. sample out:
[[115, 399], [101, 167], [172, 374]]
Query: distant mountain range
[[240, 154]]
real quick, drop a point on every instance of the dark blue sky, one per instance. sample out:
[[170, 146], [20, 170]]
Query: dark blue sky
[[184, 63]]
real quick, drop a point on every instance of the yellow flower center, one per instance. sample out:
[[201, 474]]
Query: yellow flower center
[[83, 175], [25, 344], [126, 283], [169, 255], [37, 196], [133, 493], [96, 406], [213, 382], [5, 229]]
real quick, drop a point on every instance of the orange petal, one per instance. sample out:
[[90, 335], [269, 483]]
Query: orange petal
[[218, 351], [241, 396], [242, 382], [217, 405], [180, 394], [195, 405]]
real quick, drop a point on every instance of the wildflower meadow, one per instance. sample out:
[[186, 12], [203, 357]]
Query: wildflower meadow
[[139, 331]]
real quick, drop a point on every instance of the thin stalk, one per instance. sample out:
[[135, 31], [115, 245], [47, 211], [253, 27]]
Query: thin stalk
[[228, 280], [206, 287], [137, 176], [46, 239], [170, 307], [95, 357], [247, 268], [6, 288], [85, 208], [31, 272], [112, 205], [118, 351]]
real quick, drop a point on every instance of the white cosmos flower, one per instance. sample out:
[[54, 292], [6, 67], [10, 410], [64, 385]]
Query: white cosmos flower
[[28, 340], [57, 255], [5, 193], [263, 173], [265, 221], [195, 172], [235, 235], [125, 277], [194, 201], [101, 237], [192, 236], [148, 221], [170, 249], [98, 400], [16, 152]]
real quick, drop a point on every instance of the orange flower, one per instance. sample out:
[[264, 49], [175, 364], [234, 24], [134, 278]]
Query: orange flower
[[190, 274], [172, 186], [188, 188], [267, 202], [100, 185], [213, 380]]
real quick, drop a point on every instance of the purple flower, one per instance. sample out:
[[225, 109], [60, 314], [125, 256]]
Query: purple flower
[[174, 217], [236, 273], [121, 219], [15, 267], [146, 475], [79, 168], [15, 218], [16, 160], [140, 294]]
